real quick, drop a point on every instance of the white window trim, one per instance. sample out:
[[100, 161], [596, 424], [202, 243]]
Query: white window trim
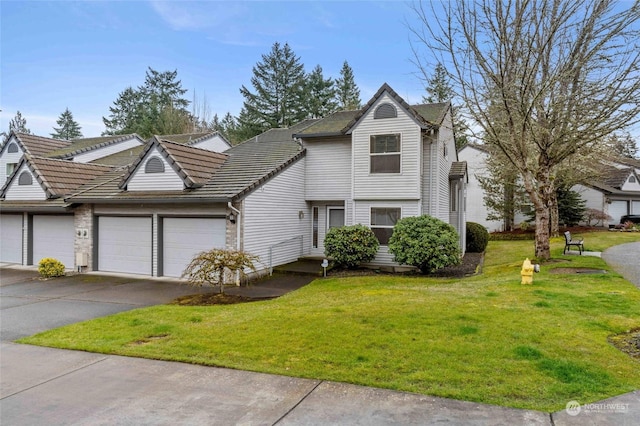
[[329, 208], [401, 135], [371, 226]]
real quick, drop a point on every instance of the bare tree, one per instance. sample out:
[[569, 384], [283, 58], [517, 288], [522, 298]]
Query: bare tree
[[544, 80]]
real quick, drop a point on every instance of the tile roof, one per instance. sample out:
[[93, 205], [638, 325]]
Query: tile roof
[[187, 138], [37, 145], [615, 178], [195, 166], [78, 146], [122, 158], [247, 165], [58, 177], [427, 116]]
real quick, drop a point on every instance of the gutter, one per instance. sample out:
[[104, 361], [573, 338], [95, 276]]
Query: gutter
[[237, 212]]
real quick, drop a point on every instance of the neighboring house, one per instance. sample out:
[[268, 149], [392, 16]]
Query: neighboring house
[[211, 141], [476, 157], [616, 193], [274, 195], [387, 161], [17, 144], [36, 222]]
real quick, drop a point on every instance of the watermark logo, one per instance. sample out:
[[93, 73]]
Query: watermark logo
[[574, 408]]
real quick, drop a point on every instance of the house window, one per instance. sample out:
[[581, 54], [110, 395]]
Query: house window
[[315, 227], [385, 153], [335, 217], [453, 188], [383, 219], [10, 168], [25, 179], [12, 148], [632, 179], [154, 165], [385, 111]]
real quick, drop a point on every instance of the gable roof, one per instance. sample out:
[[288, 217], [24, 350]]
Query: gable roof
[[122, 158], [79, 146], [35, 145], [427, 116], [612, 179], [246, 167], [193, 165], [57, 177], [479, 147]]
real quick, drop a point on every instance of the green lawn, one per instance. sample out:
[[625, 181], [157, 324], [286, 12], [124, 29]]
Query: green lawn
[[486, 338]]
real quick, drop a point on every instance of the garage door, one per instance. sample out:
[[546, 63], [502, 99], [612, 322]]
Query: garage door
[[11, 238], [124, 244], [53, 236], [617, 209], [636, 207], [183, 238]]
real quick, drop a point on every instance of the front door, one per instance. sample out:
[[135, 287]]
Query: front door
[[324, 218]]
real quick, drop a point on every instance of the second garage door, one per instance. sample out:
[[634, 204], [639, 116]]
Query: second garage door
[[11, 238], [124, 244], [617, 209], [183, 238], [53, 236]]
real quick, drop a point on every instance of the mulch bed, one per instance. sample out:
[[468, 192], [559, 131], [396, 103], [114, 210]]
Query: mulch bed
[[628, 343], [211, 299]]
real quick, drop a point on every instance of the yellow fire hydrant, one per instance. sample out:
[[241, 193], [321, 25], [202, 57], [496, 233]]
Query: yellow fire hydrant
[[527, 272]]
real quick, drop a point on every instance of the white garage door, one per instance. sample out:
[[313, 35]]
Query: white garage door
[[11, 238], [183, 238], [617, 209], [124, 244], [636, 207], [53, 236]]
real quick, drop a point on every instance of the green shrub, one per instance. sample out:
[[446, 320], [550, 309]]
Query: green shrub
[[350, 246], [50, 267], [424, 242], [477, 237]]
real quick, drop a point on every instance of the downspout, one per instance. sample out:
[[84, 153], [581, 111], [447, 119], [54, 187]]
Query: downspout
[[237, 212]]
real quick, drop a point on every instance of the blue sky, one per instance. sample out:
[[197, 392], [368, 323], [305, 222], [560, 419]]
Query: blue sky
[[81, 54]]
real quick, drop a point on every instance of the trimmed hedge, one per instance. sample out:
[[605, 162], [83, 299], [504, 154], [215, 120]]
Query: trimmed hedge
[[477, 237], [349, 246]]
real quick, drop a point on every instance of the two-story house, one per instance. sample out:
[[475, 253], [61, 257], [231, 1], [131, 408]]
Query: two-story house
[[274, 195], [379, 164]]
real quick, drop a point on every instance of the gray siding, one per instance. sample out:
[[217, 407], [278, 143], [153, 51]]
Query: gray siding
[[383, 186], [141, 181], [272, 218], [25, 192], [328, 174]]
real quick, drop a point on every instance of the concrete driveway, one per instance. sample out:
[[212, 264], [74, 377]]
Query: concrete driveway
[[59, 387]]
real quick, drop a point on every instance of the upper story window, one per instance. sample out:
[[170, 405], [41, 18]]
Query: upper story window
[[632, 179], [385, 153], [25, 179], [12, 148], [385, 111], [154, 165], [383, 219], [10, 168]]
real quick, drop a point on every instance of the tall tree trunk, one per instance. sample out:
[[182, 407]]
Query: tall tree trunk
[[539, 194], [554, 223]]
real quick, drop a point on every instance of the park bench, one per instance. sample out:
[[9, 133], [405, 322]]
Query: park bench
[[568, 242]]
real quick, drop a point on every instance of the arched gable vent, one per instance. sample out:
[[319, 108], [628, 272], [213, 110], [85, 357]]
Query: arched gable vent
[[12, 148], [25, 179], [154, 165], [385, 111]]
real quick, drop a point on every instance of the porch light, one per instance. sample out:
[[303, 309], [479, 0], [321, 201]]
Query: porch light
[[232, 218]]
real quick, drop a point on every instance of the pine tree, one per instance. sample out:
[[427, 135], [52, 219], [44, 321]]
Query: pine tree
[[69, 128], [277, 99], [347, 92], [439, 89], [156, 107], [320, 94], [18, 124]]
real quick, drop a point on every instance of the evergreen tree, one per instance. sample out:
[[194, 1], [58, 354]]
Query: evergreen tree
[[277, 99], [320, 94], [347, 92], [69, 128], [439, 89], [156, 107], [18, 124]]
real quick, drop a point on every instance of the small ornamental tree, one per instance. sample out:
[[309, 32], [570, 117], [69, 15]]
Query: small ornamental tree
[[350, 246], [210, 267], [424, 242]]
